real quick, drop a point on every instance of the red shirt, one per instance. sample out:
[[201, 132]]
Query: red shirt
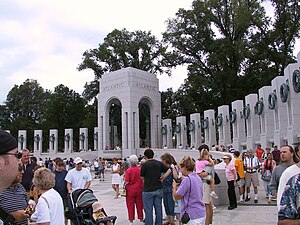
[[133, 177], [259, 153]]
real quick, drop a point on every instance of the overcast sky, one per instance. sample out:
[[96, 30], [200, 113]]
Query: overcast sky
[[45, 39]]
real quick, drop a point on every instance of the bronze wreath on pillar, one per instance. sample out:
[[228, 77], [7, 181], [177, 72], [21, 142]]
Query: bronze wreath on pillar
[[296, 81], [259, 107], [272, 101], [284, 92], [219, 120]]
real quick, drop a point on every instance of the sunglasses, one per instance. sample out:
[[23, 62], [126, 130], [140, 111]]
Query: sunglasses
[[17, 154]]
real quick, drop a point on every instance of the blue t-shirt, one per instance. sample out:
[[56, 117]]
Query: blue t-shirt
[[192, 192], [60, 183], [290, 200]]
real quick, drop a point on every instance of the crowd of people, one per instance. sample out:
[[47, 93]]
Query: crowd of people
[[36, 192]]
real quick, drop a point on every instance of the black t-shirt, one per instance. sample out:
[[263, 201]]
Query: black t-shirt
[[151, 171]]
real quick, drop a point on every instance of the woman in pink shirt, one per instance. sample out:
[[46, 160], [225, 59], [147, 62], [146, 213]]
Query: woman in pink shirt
[[231, 176]]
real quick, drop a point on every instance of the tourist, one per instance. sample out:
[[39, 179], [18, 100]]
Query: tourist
[[102, 166], [265, 154], [288, 158], [116, 178], [79, 177], [134, 187], [207, 199], [276, 154], [252, 165], [167, 185], [190, 193], [259, 152], [230, 172], [267, 168], [203, 161], [60, 182], [14, 200], [289, 208], [152, 193], [49, 209], [28, 168], [9, 159], [240, 171], [96, 168], [287, 174]]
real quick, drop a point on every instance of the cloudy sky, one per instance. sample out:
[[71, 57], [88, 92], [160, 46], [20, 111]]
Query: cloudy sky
[[45, 39]]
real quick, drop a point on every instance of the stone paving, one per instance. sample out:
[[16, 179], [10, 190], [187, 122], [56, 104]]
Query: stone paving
[[245, 214]]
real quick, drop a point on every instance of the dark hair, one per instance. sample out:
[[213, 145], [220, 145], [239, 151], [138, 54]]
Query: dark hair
[[236, 153], [295, 156], [204, 146], [149, 153], [59, 162]]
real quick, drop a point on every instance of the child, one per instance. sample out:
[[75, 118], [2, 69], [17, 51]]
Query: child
[[205, 160]]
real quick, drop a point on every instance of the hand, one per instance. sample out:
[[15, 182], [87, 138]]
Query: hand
[[20, 215], [234, 183], [172, 166]]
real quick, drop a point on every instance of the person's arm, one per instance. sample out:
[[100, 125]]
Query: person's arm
[[87, 185], [165, 175], [175, 174], [174, 189], [288, 222], [48, 223], [210, 162], [69, 187]]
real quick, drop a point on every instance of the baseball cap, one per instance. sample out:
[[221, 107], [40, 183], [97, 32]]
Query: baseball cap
[[7, 142], [77, 160]]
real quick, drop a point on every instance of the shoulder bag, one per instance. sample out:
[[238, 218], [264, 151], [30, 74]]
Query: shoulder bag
[[186, 217]]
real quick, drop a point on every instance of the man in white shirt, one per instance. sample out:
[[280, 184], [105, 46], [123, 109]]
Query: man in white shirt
[[79, 177], [251, 176]]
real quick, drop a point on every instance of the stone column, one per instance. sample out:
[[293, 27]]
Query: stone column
[[209, 126], [292, 73], [96, 138], [166, 132], [124, 129], [223, 125], [83, 139], [252, 121], [238, 125], [53, 141], [280, 112], [37, 142], [22, 140], [194, 128], [266, 117], [68, 140], [181, 132]]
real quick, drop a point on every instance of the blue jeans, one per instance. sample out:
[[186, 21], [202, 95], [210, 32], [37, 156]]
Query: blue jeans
[[169, 203], [150, 200]]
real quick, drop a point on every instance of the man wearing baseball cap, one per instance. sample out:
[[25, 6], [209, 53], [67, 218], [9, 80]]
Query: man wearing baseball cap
[[9, 159], [79, 177]]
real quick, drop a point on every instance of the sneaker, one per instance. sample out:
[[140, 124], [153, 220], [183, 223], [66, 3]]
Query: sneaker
[[247, 199], [255, 201], [241, 201], [214, 208], [213, 194]]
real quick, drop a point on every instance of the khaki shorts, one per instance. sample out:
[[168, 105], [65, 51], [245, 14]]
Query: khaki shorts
[[241, 182], [251, 178], [207, 199]]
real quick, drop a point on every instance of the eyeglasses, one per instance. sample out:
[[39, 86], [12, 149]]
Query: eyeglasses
[[17, 154]]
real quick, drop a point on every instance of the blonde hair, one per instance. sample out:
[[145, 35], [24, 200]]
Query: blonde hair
[[203, 153], [44, 179], [188, 163]]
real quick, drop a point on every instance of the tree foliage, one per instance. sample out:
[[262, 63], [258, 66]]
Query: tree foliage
[[120, 49], [231, 48]]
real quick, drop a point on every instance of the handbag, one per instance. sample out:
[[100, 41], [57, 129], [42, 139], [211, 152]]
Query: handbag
[[186, 217], [217, 179]]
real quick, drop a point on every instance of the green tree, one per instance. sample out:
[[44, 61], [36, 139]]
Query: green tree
[[23, 108], [64, 109], [120, 49], [231, 47]]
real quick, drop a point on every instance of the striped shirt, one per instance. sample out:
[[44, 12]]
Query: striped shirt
[[13, 199], [251, 162]]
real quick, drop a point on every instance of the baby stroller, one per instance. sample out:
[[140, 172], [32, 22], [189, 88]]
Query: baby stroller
[[80, 210]]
